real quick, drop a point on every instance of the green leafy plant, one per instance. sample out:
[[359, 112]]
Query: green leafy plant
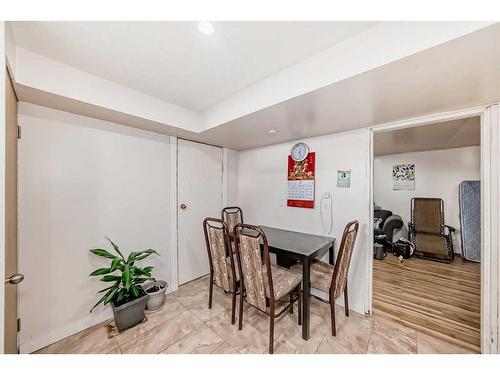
[[123, 273]]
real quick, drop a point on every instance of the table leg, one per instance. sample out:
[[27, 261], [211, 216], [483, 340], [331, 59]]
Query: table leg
[[330, 255], [306, 316]]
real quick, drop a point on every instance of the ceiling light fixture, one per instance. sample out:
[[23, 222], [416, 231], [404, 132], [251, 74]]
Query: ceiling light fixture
[[205, 28], [271, 131]]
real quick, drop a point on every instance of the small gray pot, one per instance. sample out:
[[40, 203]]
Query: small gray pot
[[378, 251], [129, 314], [155, 299]]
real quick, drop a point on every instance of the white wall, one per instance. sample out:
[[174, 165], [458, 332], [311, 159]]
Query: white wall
[[262, 189], [10, 48], [230, 174], [82, 179], [437, 174]]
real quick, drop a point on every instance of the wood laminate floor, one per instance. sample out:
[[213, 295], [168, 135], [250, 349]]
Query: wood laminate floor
[[437, 299]]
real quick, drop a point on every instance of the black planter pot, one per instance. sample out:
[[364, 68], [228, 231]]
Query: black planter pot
[[130, 313]]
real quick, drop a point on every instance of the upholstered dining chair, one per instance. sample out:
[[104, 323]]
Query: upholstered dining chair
[[223, 270], [333, 279], [232, 216], [261, 282]]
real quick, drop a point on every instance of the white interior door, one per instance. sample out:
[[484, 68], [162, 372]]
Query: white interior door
[[199, 195]]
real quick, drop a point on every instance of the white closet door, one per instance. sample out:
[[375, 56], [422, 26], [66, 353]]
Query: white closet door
[[199, 196]]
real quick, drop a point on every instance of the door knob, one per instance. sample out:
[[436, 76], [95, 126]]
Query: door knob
[[183, 206], [14, 279]]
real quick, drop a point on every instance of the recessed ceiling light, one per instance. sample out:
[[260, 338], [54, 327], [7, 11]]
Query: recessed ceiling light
[[271, 131], [205, 27]]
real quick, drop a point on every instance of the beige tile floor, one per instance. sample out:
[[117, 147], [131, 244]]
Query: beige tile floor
[[186, 325]]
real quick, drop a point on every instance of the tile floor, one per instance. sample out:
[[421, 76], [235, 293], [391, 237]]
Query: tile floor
[[186, 325]]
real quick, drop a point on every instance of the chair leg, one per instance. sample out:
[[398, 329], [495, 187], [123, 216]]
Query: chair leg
[[332, 310], [271, 333], [346, 300], [233, 305], [299, 305], [210, 291], [291, 299], [240, 320]]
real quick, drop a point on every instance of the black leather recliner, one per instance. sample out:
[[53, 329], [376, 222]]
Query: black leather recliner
[[385, 223]]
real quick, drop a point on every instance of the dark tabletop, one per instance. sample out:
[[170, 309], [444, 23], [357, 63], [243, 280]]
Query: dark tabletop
[[296, 242]]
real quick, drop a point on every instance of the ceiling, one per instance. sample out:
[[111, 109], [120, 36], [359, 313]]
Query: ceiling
[[459, 74], [175, 62], [450, 134]]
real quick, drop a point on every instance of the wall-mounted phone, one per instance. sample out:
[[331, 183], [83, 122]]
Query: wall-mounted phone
[[326, 212]]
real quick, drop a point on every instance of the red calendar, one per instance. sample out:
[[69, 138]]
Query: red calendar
[[301, 182]]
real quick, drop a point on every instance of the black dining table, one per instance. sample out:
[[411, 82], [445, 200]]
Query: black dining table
[[304, 247]]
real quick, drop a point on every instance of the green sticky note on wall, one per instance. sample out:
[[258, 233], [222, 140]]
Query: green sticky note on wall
[[344, 178]]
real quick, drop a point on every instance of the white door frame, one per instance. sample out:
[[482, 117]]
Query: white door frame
[[490, 216], [490, 223], [2, 185], [174, 266]]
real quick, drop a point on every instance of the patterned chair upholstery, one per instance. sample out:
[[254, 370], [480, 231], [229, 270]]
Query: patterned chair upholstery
[[284, 281], [321, 275], [259, 277], [223, 270], [232, 216]]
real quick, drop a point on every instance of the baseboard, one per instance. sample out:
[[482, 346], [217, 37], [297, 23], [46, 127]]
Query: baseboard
[[60, 333]]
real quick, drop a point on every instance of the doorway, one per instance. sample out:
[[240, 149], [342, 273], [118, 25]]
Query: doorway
[[435, 291], [487, 341], [199, 195]]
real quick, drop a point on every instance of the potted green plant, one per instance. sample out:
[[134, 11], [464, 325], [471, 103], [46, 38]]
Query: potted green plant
[[127, 298]]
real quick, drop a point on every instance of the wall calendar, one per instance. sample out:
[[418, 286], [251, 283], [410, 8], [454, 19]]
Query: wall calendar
[[301, 182]]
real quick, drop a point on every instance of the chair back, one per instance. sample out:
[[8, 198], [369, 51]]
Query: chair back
[[232, 216], [253, 262], [427, 215], [343, 260], [217, 242]]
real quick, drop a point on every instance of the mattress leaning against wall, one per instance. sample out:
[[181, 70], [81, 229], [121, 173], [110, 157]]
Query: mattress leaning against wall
[[469, 193]]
